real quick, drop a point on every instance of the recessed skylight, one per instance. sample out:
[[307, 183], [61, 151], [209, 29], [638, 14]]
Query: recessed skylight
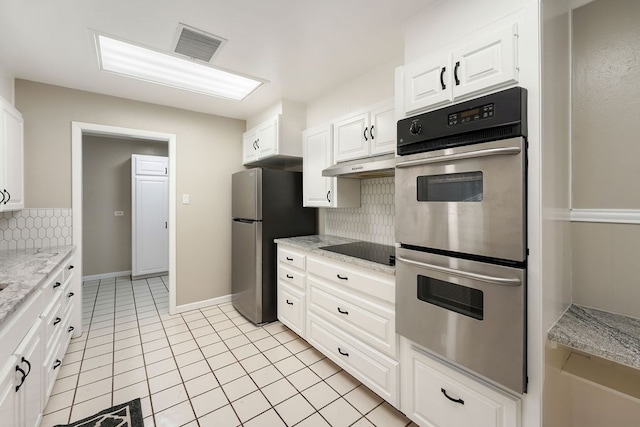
[[145, 64]]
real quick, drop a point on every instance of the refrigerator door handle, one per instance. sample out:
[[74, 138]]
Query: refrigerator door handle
[[245, 221]]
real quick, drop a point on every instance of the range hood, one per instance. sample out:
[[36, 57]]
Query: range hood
[[368, 167]]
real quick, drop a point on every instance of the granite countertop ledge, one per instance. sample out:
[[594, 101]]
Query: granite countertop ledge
[[611, 336], [312, 244], [22, 270]]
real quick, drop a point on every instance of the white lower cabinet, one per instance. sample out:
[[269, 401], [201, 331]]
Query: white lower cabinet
[[291, 289], [32, 359], [436, 395]]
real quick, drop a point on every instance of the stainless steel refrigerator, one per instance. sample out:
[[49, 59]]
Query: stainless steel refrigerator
[[266, 205]]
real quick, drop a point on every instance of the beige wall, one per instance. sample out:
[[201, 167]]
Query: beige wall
[[6, 85], [106, 187], [209, 150], [606, 95]]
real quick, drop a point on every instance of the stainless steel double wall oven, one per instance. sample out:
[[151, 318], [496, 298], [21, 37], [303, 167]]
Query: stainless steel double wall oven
[[461, 224]]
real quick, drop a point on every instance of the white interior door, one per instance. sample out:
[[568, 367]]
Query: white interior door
[[150, 225]]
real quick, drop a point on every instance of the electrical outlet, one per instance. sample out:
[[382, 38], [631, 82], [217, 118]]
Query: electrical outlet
[[185, 199], [118, 213]]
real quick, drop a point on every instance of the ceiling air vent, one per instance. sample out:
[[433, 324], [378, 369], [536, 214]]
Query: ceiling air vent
[[197, 44]]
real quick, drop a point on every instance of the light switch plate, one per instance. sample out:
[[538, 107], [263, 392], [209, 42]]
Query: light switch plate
[[185, 199]]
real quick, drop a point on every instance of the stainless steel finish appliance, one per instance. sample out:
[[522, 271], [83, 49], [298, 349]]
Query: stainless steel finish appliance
[[375, 252], [266, 205], [461, 224], [472, 313], [368, 167]]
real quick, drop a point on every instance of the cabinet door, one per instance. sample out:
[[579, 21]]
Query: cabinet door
[[488, 63], [31, 396], [8, 395], [383, 129], [12, 157], [351, 137], [267, 141], [426, 83], [317, 190], [249, 146], [291, 308], [151, 165], [150, 229]]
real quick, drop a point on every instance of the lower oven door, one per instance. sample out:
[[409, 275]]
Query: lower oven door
[[468, 312], [468, 199]]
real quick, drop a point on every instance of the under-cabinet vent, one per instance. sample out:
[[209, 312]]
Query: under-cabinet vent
[[197, 44]]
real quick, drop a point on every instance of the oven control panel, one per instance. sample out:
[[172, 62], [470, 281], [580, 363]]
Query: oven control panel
[[471, 114]]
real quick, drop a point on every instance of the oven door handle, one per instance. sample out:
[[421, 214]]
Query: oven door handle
[[465, 274], [460, 156]]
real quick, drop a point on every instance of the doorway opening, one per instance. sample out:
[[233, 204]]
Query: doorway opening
[[81, 132]]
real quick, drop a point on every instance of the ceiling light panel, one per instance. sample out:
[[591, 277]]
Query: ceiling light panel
[[145, 64]]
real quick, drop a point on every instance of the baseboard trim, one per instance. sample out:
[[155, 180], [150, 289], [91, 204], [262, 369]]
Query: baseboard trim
[[612, 216], [203, 304], [106, 275]]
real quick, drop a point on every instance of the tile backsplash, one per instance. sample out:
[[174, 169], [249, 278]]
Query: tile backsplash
[[35, 228], [373, 221]]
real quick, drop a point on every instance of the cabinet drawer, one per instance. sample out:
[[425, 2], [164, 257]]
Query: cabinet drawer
[[291, 308], [372, 368], [378, 285], [292, 276], [370, 322], [51, 367], [291, 258], [52, 317], [436, 395], [68, 293], [68, 268]]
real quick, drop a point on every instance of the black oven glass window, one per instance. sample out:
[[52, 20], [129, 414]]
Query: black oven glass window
[[450, 296], [453, 187]]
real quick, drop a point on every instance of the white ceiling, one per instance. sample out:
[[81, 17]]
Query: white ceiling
[[304, 48]]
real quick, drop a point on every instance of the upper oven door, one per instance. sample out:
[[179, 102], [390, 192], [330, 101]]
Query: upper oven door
[[468, 199]]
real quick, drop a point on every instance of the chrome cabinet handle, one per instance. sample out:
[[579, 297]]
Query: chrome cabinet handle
[[460, 401], [460, 156], [344, 353], [465, 274], [343, 312]]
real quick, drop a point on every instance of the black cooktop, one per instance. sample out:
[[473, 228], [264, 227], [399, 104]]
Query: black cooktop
[[375, 252]]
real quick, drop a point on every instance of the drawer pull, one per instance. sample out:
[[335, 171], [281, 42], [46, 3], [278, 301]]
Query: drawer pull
[[71, 328], [28, 365], [24, 376], [460, 401], [289, 276], [289, 259], [70, 294], [342, 277], [56, 285], [70, 267], [57, 364], [343, 312], [289, 302], [58, 320], [344, 353]]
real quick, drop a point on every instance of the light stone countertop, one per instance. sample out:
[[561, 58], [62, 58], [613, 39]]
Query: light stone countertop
[[23, 270], [312, 244], [608, 335]]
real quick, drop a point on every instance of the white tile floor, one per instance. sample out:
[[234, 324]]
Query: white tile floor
[[208, 367]]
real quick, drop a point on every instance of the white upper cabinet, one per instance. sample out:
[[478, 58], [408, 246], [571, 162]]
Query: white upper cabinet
[[320, 191], [277, 137], [151, 165], [489, 62], [11, 158], [365, 133]]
